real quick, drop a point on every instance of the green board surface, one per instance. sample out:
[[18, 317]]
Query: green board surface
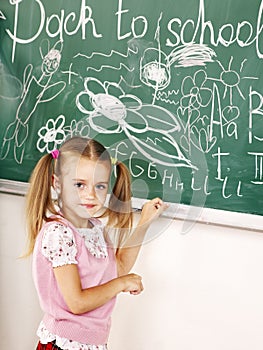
[[172, 88]]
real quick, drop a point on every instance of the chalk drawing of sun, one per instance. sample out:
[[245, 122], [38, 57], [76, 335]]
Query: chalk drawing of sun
[[231, 79]]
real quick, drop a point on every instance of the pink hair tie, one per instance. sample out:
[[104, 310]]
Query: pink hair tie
[[55, 153]]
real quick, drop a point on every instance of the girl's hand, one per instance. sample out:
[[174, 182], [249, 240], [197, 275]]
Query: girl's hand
[[152, 210], [132, 283]]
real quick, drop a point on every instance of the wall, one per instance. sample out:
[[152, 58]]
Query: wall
[[20, 313], [203, 289]]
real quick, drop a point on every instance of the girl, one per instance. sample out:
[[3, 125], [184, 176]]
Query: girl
[[77, 271]]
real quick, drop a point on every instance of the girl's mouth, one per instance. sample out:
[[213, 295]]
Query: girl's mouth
[[88, 206]]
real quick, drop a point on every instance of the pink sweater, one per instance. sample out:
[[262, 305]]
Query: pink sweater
[[91, 327]]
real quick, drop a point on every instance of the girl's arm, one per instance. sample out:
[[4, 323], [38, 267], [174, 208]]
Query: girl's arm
[[127, 255], [81, 300]]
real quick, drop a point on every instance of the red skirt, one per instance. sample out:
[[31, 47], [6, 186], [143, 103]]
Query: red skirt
[[48, 346]]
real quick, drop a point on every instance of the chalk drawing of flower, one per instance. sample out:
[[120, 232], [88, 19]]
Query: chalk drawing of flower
[[110, 111], [195, 95], [108, 98], [51, 135], [108, 107]]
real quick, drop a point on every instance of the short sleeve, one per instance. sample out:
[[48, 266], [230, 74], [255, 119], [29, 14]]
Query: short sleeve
[[58, 245]]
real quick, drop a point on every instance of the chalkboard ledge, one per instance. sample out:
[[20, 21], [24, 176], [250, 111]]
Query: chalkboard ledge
[[188, 213], [192, 214], [13, 187]]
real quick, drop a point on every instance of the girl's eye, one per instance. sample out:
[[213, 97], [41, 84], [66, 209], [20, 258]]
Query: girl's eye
[[79, 185], [101, 187]]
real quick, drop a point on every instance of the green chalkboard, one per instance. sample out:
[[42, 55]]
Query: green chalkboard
[[173, 88]]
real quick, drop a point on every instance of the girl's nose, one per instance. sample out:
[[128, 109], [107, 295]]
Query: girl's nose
[[90, 192]]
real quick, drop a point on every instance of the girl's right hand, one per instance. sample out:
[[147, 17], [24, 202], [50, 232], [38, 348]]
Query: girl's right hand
[[151, 211], [132, 283]]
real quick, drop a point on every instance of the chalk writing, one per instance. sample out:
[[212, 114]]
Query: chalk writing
[[177, 95], [85, 18]]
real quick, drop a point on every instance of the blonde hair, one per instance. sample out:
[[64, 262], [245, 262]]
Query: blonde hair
[[39, 203]]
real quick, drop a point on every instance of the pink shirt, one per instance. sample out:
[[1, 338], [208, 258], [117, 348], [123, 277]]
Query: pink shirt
[[91, 327]]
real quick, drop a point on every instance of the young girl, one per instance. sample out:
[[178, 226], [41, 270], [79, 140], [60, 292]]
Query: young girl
[[77, 270]]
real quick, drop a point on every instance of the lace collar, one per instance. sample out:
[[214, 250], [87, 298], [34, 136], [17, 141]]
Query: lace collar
[[94, 238]]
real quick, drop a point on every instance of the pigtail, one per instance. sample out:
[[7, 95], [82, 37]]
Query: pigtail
[[119, 207], [39, 199]]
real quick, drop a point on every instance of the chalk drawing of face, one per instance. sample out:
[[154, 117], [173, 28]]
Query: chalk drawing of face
[[51, 62], [154, 71], [149, 128]]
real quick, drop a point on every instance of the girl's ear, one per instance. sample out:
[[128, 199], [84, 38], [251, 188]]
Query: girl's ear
[[56, 183]]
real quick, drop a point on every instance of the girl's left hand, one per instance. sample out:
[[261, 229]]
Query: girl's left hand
[[152, 210]]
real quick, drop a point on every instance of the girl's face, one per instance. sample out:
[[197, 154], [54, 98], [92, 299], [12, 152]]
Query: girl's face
[[83, 189]]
